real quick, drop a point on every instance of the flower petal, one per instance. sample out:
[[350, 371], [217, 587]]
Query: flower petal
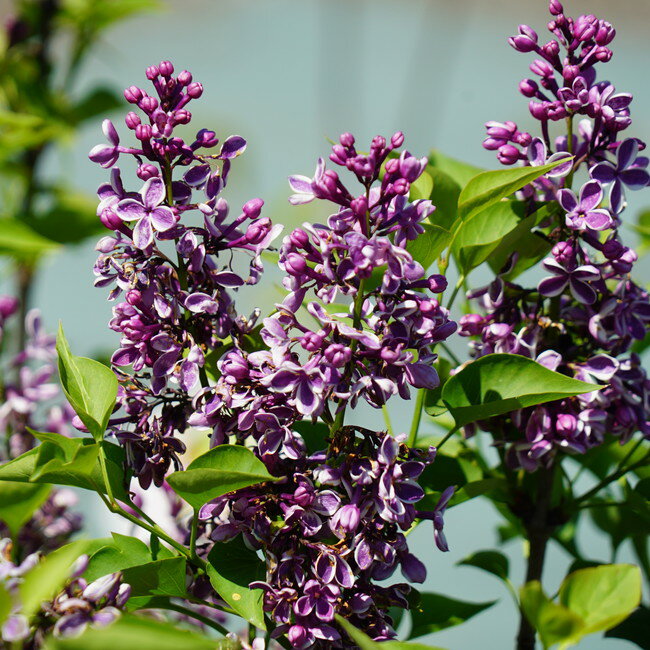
[[591, 194], [603, 172], [626, 153], [143, 233], [153, 192], [162, 218], [130, 210], [567, 200]]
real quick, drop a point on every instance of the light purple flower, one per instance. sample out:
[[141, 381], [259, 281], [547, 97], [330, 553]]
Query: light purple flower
[[106, 155], [147, 212]]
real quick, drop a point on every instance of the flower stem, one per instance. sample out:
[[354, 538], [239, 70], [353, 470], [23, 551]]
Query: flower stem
[[454, 293], [538, 532], [186, 611], [193, 533], [417, 417]]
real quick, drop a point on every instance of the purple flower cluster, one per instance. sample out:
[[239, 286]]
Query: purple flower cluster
[[171, 261], [583, 317], [77, 606], [31, 400], [329, 529], [334, 522]]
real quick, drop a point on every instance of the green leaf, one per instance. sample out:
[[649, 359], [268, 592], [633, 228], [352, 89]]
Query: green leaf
[[18, 239], [602, 596], [460, 172], [476, 238], [232, 567], [131, 631], [6, 604], [123, 552], [531, 245], [634, 628], [158, 578], [364, 642], [69, 461], [47, 578], [421, 188], [437, 612], [314, 434], [500, 383], [554, 623], [71, 218], [91, 387], [438, 227], [221, 470], [19, 501], [96, 103], [491, 561], [488, 188]]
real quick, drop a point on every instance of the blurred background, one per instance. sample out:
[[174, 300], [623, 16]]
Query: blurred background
[[287, 76]]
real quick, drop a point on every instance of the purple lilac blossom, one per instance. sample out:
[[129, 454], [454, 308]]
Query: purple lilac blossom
[[77, 606], [583, 318]]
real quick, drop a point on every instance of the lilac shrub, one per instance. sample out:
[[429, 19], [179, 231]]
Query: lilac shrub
[[585, 315]]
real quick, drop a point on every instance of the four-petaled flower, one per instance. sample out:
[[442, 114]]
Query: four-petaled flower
[[629, 170], [584, 213], [577, 277], [148, 212]]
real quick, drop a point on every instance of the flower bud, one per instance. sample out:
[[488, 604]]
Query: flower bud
[[195, 90], [166, 68]]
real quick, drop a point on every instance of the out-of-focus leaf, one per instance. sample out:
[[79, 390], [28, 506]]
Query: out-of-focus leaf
[[554, 623], [602, 596], [131, 631], [47, 578], [97, 15], [19, 240], [491, 561], [364, 642], [421, 188], [71, 219], [19, 501], [500, 383], [6, 604], [634, 628], [96, 103]]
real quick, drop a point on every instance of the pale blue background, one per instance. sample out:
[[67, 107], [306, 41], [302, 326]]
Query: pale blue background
[[286, 75]]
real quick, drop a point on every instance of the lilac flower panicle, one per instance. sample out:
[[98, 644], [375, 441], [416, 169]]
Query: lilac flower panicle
[[583, 318]]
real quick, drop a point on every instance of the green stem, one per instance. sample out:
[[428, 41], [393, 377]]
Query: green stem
[[193, 534], [457, 288], [447, 436], [386, 414], [186, 611], [417, 417], [450, 353], [611, 478], [102, 463]]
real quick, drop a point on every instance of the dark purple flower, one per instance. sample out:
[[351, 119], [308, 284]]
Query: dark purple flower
[[584, 213]]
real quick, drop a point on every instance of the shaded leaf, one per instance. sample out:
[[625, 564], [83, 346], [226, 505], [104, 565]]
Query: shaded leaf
[[460, 172], [159, 578], [438, 612], [491, 561], [634, 628]]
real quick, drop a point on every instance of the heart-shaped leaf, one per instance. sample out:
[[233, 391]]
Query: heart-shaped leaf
[[221, 470], [500, 383], [602, 596]]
